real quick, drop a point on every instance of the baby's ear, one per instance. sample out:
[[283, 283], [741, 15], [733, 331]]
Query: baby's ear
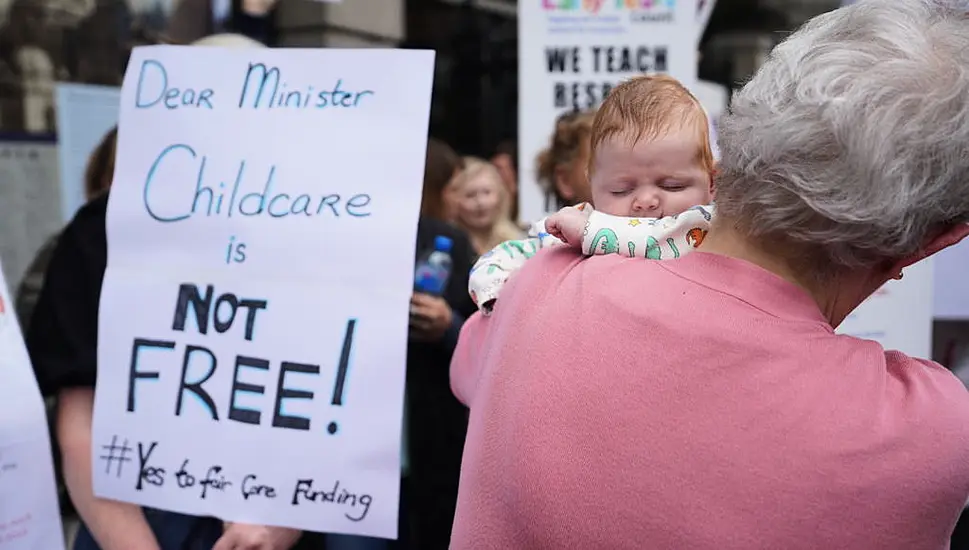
[[713, 181]]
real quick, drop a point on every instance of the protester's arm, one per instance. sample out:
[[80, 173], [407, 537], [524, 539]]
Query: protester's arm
[[649, 238], [62, 340], [243, 536], [115, 525]]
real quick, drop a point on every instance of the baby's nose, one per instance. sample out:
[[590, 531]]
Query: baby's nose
[[646, 204]]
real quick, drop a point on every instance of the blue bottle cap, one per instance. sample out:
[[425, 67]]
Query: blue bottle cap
[[443, 243]]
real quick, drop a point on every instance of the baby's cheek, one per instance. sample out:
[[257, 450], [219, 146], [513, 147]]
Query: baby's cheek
[[686, 200], [607, 203]]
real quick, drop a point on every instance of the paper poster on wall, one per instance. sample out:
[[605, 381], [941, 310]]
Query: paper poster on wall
[[253, 321], [951, 294], [898, 315], [572, 53], [85, 113], [30, 517], [29, 202]]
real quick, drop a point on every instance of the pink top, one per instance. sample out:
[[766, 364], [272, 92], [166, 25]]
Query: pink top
[[699, 403]]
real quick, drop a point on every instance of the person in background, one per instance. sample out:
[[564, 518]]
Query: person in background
[[193, 20], [707, 402], [442, 166], [482, 203], [505, 160], [435, 423], [562, 166], [97, 179]]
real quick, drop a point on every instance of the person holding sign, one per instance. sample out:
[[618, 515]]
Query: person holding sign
[[63, 346], [706, 402], [97, 179]]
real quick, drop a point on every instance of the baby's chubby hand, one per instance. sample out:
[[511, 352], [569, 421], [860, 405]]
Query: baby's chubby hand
[[568, 224]]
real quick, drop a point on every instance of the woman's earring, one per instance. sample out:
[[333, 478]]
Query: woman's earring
[[899, 276]]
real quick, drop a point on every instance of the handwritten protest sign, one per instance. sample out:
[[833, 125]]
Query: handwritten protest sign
[[29, 513], [253, 319]]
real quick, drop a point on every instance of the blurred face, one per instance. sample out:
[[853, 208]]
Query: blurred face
[[651, 179], [479, 201], [572, 181]]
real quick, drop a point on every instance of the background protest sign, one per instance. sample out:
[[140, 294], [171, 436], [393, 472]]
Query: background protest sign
[[253, 319], [30, 517], [899, 314], [572, 52]]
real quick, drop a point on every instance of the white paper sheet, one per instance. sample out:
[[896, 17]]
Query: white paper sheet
[[85, 113], [306, 217], [898, 315], [29, 513]]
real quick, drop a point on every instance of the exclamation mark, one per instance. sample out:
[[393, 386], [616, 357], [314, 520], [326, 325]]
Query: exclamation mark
[[341, 371]]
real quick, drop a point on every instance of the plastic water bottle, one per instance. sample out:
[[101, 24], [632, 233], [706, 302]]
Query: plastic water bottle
[[434, 268]]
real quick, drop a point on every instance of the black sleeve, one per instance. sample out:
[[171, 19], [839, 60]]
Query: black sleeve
[[259, 28], [463, 256], [63, 335], [33, 282]]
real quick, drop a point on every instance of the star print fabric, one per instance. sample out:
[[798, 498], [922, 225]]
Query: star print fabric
[[648, 238]]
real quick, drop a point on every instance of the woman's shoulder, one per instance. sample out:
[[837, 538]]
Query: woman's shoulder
[[930, 409], [91, 216], [84, 241], [924, 378]]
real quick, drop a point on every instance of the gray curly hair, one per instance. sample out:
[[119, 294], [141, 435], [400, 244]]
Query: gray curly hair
[[850, 146]]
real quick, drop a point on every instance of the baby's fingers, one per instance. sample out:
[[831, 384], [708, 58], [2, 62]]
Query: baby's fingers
[[553, 228]]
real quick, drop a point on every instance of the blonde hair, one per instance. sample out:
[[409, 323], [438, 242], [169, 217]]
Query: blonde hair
[[571, 131], [647, 107], [503, 229]]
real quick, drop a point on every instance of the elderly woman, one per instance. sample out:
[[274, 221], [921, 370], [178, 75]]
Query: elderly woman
[[715, 407]]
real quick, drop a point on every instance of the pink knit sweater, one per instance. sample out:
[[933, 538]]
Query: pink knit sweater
[[692, 404]]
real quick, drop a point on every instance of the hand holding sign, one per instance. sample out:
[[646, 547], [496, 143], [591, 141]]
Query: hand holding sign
[[242, 536], [252, 339]]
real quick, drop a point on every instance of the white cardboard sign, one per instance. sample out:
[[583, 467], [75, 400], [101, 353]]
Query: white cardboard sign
[[30, 517], [898, 315], [253, 321]]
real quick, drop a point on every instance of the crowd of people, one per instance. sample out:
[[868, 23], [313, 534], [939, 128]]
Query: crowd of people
[[610, 400]]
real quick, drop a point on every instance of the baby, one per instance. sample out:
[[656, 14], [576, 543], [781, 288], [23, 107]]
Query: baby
[[651, 171]]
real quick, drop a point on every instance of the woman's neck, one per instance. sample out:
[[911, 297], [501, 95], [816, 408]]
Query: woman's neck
[[480, 239], [836, 299]]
